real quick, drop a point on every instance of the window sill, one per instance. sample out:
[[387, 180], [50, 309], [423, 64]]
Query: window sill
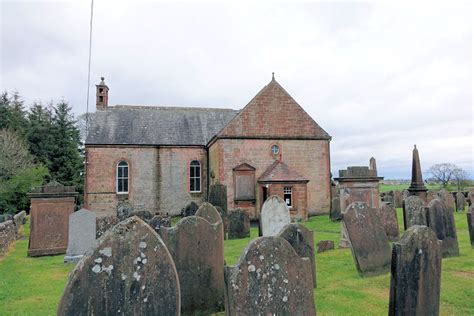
[[195, 192]]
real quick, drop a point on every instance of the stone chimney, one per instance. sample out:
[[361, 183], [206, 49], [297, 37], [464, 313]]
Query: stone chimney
[[417, 187], [102, 95]]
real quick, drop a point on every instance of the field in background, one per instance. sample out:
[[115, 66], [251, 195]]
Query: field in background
[[33, 286]]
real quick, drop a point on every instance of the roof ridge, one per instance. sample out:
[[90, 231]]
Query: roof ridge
[[165, 107]]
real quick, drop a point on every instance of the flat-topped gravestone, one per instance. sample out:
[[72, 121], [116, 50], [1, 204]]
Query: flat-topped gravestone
[[369, 243], [190, 209], [197, 248], [335, 213], [239, 224], [397, 198], [388, 217], [82, 232], [460, 201], [302, 240], [269, 279], [416, 273], [129, 272], [441, 221], [470, 224], [414, 211], [275, 215], [218, 196]]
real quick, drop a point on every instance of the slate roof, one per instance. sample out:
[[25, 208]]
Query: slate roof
[[155, 125], [280, 172]]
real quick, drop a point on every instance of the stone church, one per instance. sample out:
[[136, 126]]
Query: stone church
[[162, 158]]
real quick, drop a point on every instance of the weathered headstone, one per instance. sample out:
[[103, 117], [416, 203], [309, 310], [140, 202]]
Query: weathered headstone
[[197, 248], [225, 220], [470, 224], [302, 240], [405, 193], [460, 201], [447, 198], [388, 217], [144, 215], [160, 220], [129, 272], [369, 243], [470, 197], [82, 232], [218, 196], [441, 221], [414, 212], [104, 223], [335, 214], [275, 215], [239, 224], [124, 209], [209, 213], [397, 198], [416, 273], [325, 245], [269, 279], [190, 209]]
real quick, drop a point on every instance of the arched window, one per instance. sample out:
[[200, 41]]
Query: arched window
[[122, 177], [195, 176]]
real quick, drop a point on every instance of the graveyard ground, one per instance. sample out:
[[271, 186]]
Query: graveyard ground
[[33, 286]]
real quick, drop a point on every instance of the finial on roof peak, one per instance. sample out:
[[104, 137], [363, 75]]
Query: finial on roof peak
[[102, 82], [273, 76]]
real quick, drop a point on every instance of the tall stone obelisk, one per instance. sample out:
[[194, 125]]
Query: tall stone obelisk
[[417, 187]]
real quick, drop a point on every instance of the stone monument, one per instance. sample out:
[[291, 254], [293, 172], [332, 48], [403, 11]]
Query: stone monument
[[417, 187], [82, 232]]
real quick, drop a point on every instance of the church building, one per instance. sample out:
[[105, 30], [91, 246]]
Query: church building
[[162, 158]]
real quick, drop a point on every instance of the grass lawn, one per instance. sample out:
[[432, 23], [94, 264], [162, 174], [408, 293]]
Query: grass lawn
[[33, 286]]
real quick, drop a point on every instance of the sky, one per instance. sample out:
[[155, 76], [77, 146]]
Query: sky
[[378, 77]]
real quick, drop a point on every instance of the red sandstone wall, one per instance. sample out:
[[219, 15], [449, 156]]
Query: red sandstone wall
[[310, 158]]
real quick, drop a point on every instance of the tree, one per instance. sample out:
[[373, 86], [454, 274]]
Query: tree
[[460, 176], [12, 113], [39, 137], [14, 155], [442, 173]]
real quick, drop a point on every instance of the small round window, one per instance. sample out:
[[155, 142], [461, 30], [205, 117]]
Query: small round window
[[275, 149]]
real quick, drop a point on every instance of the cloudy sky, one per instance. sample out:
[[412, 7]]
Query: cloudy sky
[[378, 77]]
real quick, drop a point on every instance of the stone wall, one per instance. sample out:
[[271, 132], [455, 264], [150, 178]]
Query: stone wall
[[310, 158], [7, 235]]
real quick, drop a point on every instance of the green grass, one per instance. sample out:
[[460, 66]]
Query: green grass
[[33, 286]]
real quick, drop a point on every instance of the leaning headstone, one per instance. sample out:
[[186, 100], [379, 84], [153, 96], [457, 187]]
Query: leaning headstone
[[269, 279], [441, 221], [82, 232], [190, 209], [460, 201], [275, 215], [388, 217], [414, 212], [160, 220], [416, 273], [124, 209], [239, 224], [325, 245], [129, 272], [397, 198], [335, 213], [470, 224], [197, 248], [369, 243], [302, 240]]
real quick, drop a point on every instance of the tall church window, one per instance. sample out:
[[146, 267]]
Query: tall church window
[[122, 177], [195, 176], [244, 183], [287, 196]]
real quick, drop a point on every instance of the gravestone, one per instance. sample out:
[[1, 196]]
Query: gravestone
[[225, 220], [275, 215], [218, 196], [441, 221], [416, 273], [405, 193], [470, 224], [325, 245], [209, 213], [190, 209], [369, 243], [397, 198], [460, 201], [128, 272], [82, 232], [414, 212], [104, 223], [388, 217], [431, 195], [197, 248], [302, 240], [239, 224], [470, 197], [269, 279], [144, 215], [335, 214], [160, 220], [447, 198], [124, 209]]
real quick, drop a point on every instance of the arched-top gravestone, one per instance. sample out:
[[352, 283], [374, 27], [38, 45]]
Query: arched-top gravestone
[[302, 240], [209, 213], [269, 279], [129, 272], [335, 213], [416, 273], [197, 248], [441, 221], [369, 243], [414, 211], [447, 198], [218, 196], [82, 232], [275, 215], [388, 216], [460, 201]]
